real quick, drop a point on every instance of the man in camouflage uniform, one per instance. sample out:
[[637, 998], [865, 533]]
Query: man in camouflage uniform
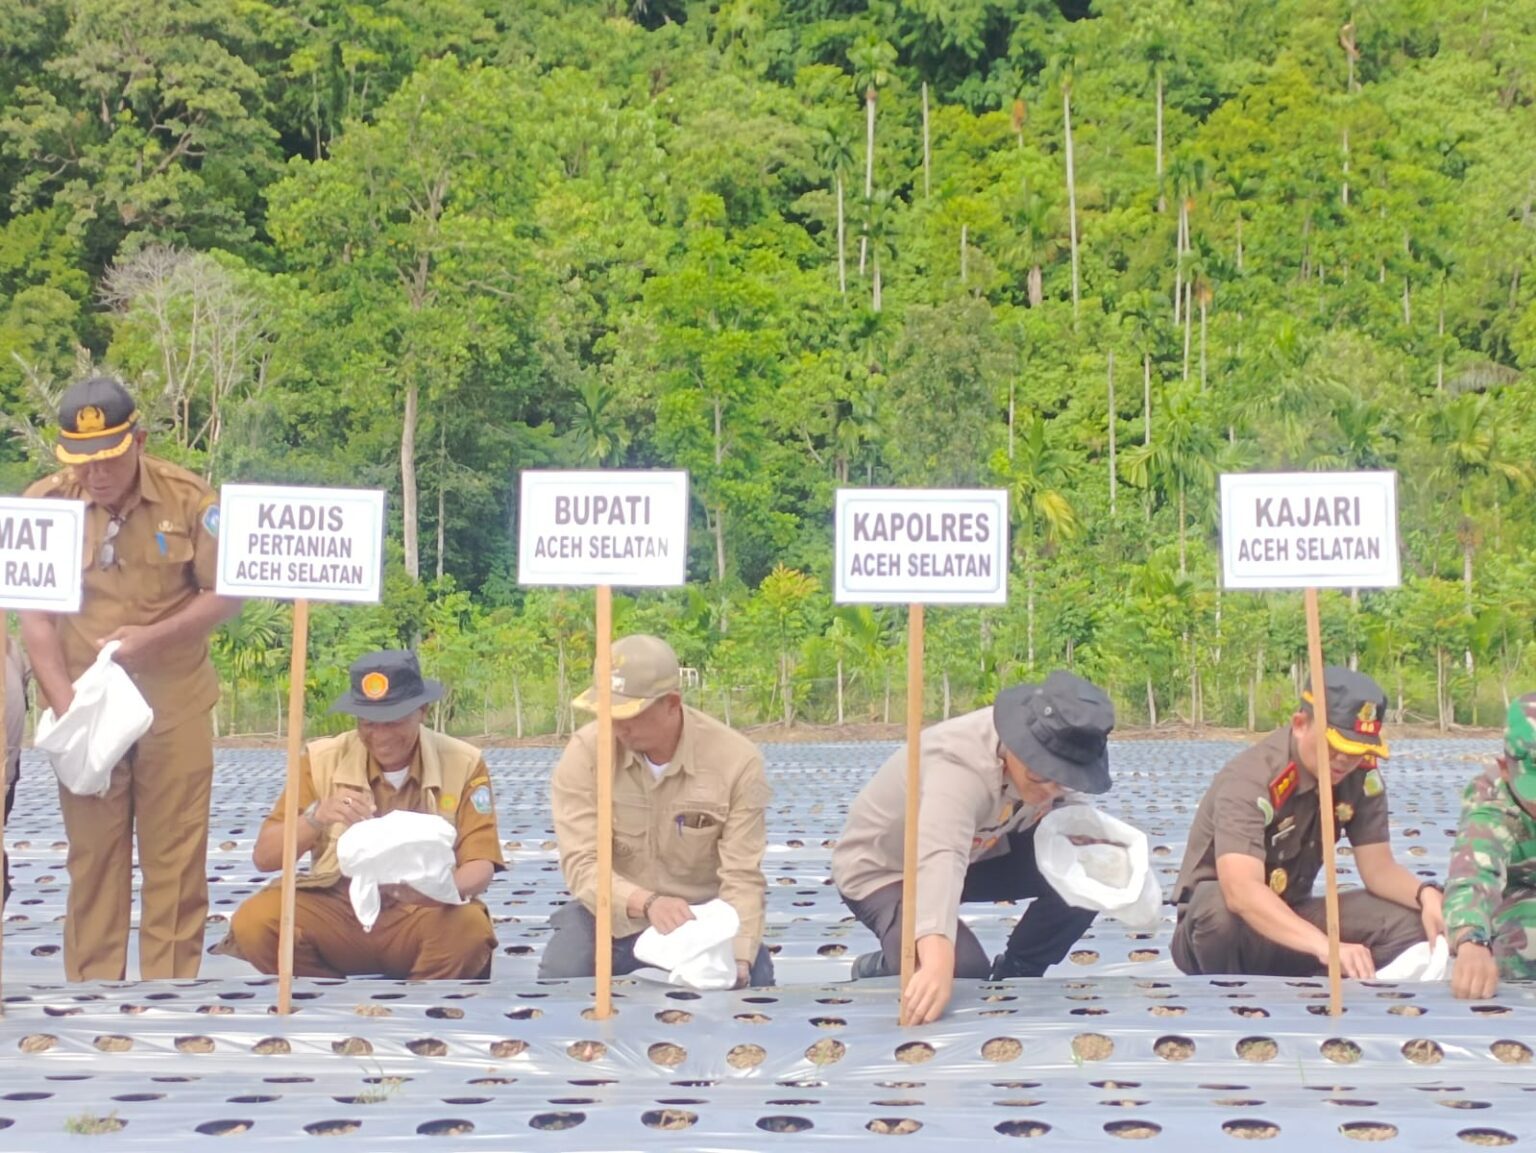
[[1490, 899]]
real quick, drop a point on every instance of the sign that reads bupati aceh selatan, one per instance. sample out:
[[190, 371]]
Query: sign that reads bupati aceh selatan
[[40, 563], [1309, 530], [922, 546], [603, 528], [292, 543]]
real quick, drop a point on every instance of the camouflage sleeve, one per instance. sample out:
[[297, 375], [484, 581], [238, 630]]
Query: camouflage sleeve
[[1486, 837]]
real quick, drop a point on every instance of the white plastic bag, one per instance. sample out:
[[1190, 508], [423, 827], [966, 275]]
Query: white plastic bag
[[1421, 962], [107, 715], [399, 848], [699, 953], [1098, 862]]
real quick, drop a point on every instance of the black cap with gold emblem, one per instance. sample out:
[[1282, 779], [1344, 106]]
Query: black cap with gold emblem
[[97, 419], [1356, 708], [386, 686]]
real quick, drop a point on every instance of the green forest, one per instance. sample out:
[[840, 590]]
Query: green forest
[[1096, 252]]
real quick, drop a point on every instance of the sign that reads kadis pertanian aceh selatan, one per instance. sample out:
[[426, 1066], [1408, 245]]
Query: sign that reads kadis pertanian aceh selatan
[[1309, 530], [922, 546], [292, 543], [600, 527], [40, 542]]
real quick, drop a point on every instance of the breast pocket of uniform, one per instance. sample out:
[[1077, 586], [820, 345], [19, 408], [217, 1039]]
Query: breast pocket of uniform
[[630, 822], [695, 834], [170, 555]]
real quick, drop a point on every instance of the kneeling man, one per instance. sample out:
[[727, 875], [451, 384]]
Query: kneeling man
[[1245, 889], [389, 762]]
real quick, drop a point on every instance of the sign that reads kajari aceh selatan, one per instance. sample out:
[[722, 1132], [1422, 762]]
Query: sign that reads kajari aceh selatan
[[292, 543], [603, 528], [40, 543], [1309, 530], [921, 546]]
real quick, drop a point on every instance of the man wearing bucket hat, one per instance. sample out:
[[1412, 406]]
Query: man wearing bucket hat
[[988, 777], [689, 803], [1490, 898], [1244, 892], [150, 549], [389, 762]]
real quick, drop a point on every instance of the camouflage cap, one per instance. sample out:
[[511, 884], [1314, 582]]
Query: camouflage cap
[[1520, 747]]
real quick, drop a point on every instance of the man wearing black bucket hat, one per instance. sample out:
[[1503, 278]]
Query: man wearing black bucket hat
[[390, 761], [988, 777], [151, 550], [1245, 889]]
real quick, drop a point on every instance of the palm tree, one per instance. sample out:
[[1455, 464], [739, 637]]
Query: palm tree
[[1063, 68], [1183, 460], [872, 59], [835, 155], [1040, 476]]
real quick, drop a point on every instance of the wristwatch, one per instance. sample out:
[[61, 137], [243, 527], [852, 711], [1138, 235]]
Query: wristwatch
[[1472, 936], [309, 815]]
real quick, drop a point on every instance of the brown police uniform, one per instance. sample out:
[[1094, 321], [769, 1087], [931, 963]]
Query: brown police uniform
[[163, 553], [414, 942], [698, 832], [1265, 805]]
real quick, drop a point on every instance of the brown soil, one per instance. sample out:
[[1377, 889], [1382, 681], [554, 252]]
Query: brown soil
[[894, 1126], [1486, 1137], [1251, 1130], [587, 1050], [1092, 1047], [446, 1128], [1167, 1010], [428, 1047], [1257, 1049], [666, 1053], [556, 1120], [827, 1051], [1136, 1130], [1368, 1131], [114, 1043], [1022, 1128], [746, 1056], [332, 1128], [1341, 1051], [1511, 1052], [352, 1047], [674, 1016], [1174, 1048], [753, 1018], [271, 1046], [505, 1049], [194, 1044], [914, 1052], [1002, 1049], [1423, 1052], [669, 1119], [37, 1042]]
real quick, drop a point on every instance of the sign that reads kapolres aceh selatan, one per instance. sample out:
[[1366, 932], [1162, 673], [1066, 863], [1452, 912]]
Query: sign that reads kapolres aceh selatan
[[292, 543], [40, 543], [922, 546], [603, 528], [1309, 530]]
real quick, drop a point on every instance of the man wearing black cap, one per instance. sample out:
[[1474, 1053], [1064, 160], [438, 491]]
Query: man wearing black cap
[[151, 544], [1245, 889], [988, 777], [388, 762]]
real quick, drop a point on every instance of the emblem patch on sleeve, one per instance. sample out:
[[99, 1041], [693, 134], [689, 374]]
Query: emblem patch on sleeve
[[1374, 786], [211, 520], [481, 799], [1267, 809]]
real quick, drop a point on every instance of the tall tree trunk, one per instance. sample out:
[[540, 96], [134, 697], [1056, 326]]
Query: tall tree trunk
[[1151, 704], [927, 151], [442, 488], [719, 508], [869, 170], [1110, 377], [875, 281], [517, 705], [842, 234], [408, 499], [1204, 319], [1066, 108], [1344, 187], [1036, 286], [1178, 264], [1013, 388], [1189, 309], [1029, 608], [1183, 569], [1466, 588], [1162, 196]]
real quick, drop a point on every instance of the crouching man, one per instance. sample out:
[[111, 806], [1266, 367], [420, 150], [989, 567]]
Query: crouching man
[[389, 762]]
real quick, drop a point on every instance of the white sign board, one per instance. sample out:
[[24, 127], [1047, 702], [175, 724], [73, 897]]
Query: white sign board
[[40, 561], [603, 528], [1309, 530], [293, 543], [922, 546]]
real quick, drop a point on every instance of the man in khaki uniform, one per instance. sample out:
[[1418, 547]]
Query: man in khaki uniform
[[689, 797], [389, 762], [1245, 888], [150, 552], [987, 778]]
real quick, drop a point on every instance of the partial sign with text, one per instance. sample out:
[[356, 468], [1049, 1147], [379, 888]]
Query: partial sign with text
[[922, 546], [40, 547], [1309, 530], [603, 528], [293, 543]]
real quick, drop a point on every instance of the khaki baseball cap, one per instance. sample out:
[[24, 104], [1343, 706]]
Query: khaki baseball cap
[[644, 670]]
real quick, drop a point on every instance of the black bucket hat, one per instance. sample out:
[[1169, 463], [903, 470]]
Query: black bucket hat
[[1059, 729], [386, 686]]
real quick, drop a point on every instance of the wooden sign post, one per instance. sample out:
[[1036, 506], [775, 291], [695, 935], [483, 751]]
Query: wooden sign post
[[600, 529], [299, 544], [41, 546], [1313, 530], [918, 547]]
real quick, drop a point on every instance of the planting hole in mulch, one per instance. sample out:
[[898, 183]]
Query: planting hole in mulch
[[1022, 1128], [666, 1053], [1257, 1049], [1407, 1010], [894, 1126], [1084, 957], [1167, 1010], [445, 1013], [746, 1056], [914, 1052], [825, 1022], [668, 1119], [352, 1047], [332, 1128], [548, 1121], [1174, 1048], [448, 1127], [1511, 1052], [1463, 1103], [1251, 1130], [783, 1124], [827, 1051], [1249, 1011], [1133, 1130], [508, 1048], [1486, 1137], [1092, 1047], [1341, 1051], [1423, 1051], [1002, 1049], [113, 1043], [586, 1051], [674, 1016], [223, 1128], [37, 1042], [368, 1009], [194, 1044], [753, 1018], [271, 1046], [1368, 1130]]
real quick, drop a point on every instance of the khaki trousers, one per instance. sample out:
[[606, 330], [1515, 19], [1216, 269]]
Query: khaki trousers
[[161, 789], [408, 942]]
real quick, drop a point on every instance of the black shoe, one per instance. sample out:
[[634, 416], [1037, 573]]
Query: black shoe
[[1004, 969], [867, 965]]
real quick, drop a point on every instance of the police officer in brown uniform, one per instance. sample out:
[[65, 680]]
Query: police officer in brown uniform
[[389, 762], [150, 553], [689, 804], [1245, 889]]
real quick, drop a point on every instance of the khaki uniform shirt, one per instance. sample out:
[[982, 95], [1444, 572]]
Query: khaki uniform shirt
[[166, 552], [473, 813], [968, 807], [1264, 804], [697, 833]]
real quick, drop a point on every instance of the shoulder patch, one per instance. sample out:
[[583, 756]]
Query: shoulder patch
[[1281, 788], [1374, 786], [481, 798], [211, 520], [447, 803], [1267, 809]]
